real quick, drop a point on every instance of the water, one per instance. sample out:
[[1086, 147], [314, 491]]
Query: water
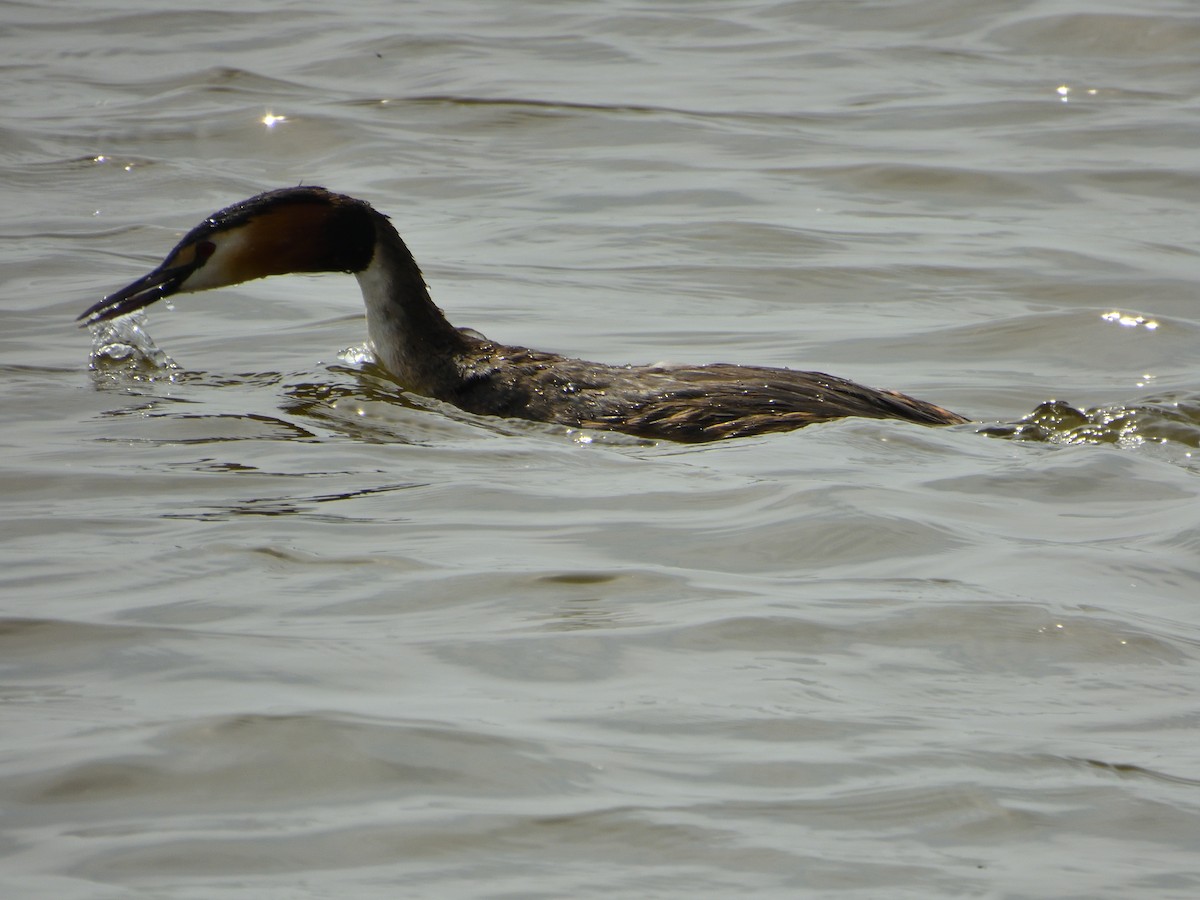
[[273, 627]]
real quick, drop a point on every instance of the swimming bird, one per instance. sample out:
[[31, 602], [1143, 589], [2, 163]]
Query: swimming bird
[[311, 229]]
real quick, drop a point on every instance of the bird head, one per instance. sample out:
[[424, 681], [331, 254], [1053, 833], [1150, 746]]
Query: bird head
[[301, 229]]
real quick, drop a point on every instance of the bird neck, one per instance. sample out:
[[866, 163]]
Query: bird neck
[[410, 336]]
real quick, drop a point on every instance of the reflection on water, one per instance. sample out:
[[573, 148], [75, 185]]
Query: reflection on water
[[1154, 421], [372, 406]]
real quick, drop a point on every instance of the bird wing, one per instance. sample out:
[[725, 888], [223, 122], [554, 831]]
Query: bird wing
[[700, 403]]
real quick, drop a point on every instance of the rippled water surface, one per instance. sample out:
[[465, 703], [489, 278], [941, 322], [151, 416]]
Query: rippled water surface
[[274, 627]]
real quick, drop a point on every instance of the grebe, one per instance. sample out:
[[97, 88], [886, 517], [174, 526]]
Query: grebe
[[310, 229]]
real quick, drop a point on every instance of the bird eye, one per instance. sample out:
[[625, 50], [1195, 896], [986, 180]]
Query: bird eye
[[204, 249]]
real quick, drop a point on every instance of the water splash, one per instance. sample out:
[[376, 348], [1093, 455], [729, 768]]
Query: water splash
[[358, 357], [121, 347]]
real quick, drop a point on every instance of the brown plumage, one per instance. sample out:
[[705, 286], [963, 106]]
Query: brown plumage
[[309, 229]]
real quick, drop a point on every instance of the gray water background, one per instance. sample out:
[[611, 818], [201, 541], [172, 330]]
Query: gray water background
[[272, 627]]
